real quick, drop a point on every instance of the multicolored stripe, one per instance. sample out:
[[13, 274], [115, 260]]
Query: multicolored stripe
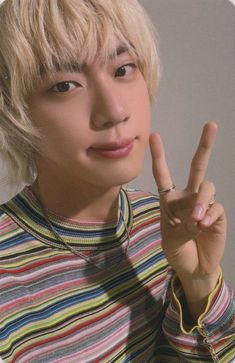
[[56, 307]]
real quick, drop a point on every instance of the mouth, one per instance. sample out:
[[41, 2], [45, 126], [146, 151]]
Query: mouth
[[116, 149]]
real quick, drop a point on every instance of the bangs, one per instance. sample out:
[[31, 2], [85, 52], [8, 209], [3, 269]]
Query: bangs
[[41, 37], [63, 34], [83, 35]]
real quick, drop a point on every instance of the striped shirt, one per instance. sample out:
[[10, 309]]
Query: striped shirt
[[118, 300]]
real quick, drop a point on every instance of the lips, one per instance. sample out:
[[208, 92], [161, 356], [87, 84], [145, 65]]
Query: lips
[[114, 149]]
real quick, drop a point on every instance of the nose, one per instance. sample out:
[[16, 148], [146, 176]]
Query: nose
[[109, 107]]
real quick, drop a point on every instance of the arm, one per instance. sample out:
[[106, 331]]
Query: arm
[[193, 229]]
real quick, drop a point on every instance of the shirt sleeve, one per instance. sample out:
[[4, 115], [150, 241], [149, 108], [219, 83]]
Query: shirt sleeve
[[212, 338]]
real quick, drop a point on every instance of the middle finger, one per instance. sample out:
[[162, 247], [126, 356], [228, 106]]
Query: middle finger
[[201, 157]]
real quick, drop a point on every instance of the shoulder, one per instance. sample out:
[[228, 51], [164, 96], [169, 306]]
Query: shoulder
[[7, 225]]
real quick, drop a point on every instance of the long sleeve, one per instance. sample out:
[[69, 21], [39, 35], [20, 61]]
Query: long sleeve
[[212, 339]]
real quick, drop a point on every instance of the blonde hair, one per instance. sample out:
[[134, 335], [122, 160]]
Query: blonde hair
[[40, 36]]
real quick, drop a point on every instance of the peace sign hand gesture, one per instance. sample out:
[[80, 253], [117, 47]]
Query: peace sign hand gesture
[[193, 226]]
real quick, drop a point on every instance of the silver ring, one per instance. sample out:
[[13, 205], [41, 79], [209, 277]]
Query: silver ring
[[166, 190], [212, 201]]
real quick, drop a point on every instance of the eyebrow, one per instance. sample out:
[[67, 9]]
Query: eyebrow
[[77, 67], [120, 49]]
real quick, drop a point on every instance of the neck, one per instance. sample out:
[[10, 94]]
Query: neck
[[79, 202]]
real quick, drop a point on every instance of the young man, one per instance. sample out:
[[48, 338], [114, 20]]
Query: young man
[[86, 272]]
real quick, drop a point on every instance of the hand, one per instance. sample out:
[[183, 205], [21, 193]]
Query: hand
[[193, 234]]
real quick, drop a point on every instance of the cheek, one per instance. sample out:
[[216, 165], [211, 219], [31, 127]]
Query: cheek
[[58, 125], [48, 117], [142, 99], [143, 110]]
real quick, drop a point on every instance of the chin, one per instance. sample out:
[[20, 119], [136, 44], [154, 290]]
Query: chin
[[121, 176]]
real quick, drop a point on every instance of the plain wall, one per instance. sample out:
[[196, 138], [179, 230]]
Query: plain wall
[[197, 52], [197, 85]]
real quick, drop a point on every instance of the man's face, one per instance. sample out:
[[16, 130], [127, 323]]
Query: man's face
[[94, 122]]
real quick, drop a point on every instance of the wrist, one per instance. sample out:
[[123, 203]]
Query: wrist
[[197, 291], [199, 286]]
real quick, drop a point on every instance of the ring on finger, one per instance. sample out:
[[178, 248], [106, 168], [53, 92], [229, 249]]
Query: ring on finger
[[212, 201], [163, 191]]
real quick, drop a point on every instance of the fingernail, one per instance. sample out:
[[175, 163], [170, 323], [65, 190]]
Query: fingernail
[[207, 221], [197, 212]]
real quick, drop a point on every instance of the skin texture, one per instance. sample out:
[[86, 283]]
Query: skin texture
[[79, 114], [193, 234], [102, 104]]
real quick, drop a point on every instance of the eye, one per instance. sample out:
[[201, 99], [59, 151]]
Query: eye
[[66, 86], [125, 70]]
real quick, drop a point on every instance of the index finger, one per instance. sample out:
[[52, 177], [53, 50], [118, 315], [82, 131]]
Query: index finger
[[201, 157], [161, 171]]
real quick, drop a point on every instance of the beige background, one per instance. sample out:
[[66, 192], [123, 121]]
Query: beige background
[[197, 39], [197, 52]]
